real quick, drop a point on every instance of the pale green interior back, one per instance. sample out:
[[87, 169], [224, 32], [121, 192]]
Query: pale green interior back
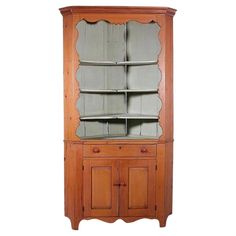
[[109, 104]]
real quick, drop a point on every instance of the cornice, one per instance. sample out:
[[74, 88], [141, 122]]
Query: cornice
[[117, 10]]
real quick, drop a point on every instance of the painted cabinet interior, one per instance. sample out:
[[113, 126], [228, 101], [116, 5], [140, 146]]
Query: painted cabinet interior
[[119, 79]]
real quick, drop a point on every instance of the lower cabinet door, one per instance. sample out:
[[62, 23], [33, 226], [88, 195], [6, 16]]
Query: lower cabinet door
[[100, 189], [137, 188]]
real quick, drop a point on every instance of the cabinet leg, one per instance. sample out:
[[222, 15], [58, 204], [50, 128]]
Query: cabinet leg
[[74, 223], [162, 221]]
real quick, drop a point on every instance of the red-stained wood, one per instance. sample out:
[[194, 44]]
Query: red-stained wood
[[117, 18], [73, 183], [115, 162], [100, 194], [117, 9], [127, 219], [169, 79], [71, 88], [164, 179], [166, 84], [120, 141], [137, 191], [120, 150]]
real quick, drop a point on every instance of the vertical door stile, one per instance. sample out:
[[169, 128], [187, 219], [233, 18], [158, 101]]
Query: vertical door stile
[[126, 81], [118, 189]]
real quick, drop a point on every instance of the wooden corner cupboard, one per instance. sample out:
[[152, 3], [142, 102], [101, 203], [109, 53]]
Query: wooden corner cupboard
[[118, 113]]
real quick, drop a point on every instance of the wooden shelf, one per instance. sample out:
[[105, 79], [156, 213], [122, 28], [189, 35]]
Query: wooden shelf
[[119, 116], [118, 136], [113, 63], [119, 90]]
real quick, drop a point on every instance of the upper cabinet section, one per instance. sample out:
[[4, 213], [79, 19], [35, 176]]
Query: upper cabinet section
[[118, 72]]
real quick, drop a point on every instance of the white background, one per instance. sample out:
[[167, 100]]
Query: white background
[[31, 125]]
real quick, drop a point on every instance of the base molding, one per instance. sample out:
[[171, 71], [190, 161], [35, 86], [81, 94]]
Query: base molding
[[75, 222], [114, 219]]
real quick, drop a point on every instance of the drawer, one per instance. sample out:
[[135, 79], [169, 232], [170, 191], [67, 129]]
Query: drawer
[[122, 150]]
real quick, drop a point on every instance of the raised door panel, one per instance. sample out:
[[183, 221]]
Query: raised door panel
[[100, 194], [137, 190]]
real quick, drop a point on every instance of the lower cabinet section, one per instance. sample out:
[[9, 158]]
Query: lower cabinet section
[[119, 187]]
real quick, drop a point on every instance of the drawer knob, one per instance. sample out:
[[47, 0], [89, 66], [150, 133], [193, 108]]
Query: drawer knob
[[144, 150], [96, 150]]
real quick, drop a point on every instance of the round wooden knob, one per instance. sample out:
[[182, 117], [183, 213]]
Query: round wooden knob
[[96, 150], [144, 150]]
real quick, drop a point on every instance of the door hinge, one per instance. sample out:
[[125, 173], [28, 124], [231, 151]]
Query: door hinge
[[155, 207], [156, 167], [82, 208], [82, 167]]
